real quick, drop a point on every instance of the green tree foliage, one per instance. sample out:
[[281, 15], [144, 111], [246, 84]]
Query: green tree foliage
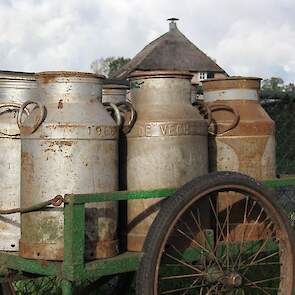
[[109, 65], [275, 88], [278, 100]]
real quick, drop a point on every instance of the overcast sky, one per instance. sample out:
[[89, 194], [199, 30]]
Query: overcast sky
[[245, 37]]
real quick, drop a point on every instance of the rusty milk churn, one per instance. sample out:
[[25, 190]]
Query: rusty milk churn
[[167, 146], [114, 91], [70, 148], [242, 134], [15, 88]]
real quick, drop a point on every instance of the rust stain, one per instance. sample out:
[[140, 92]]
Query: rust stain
[[59, 144], [48, 77], [253, 119], [60, 104], [231, 83]]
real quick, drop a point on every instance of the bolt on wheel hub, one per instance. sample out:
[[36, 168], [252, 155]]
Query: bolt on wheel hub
[[232, 280]]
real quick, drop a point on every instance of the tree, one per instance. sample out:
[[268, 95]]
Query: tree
[[274, 84], [274, 88], [109, 65]]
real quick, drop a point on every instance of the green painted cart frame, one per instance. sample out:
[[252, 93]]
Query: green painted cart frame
[[74, 268]]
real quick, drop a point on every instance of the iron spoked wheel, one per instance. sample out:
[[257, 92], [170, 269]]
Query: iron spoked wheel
[[197, 246]]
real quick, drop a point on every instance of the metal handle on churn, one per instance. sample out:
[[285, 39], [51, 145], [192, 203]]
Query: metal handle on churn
[[41, 117], [236, 119], [14, 107], [125, 108]]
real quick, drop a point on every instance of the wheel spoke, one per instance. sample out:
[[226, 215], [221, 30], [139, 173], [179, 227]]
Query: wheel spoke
[[181, 277], [182, 289], [260, 260], [263, 281], [256, 286], [202, 247], [184, 263]]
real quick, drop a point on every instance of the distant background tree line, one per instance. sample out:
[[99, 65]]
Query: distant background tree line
[[277, 97]]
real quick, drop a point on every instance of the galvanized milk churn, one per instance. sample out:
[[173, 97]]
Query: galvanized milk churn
[[114, 91], [242, 135], [167, 146], [71, 147], [15, 88]]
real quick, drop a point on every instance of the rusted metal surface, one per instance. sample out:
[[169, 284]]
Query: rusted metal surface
[[15, 88], [73, 151], [235, 82], [167, 146], [114, 92], [249, 147]]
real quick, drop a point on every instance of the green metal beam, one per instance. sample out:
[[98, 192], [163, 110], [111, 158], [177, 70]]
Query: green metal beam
[[279, 182], [40, 267], [117, 196], [74, 241], [126, 262]]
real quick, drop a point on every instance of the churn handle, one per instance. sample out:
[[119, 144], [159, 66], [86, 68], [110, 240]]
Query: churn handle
[[133, 114], [235, 122], [117, 115], [204, 111], [15, 106], [42, 110]]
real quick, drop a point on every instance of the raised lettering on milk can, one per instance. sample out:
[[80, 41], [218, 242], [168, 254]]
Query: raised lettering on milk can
[[74, 150], [167, 146], [15, 88], [242, 139]]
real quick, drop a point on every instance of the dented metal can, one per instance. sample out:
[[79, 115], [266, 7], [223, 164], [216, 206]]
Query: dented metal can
[[242, 139], [167, 146], [248, 147], [15, 88], [75, 150], [114, 91]]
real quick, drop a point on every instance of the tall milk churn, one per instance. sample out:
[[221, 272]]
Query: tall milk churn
[[114, 91], [15, 88], [242, 136], [167, 146], [71, 147]]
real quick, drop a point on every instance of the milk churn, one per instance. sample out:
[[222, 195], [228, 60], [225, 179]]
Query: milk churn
[[74, 150], [167, 146], [15, 88], [114, 91], [242, 134]]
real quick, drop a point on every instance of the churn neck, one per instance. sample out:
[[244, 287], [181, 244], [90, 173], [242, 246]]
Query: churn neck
[[232, 88], [17, 80], [160, 87], [75, 87]]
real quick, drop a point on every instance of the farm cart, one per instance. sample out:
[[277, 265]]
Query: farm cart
[[193, 247]]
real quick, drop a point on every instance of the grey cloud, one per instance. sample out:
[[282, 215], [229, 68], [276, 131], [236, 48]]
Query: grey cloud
[[246, 37]]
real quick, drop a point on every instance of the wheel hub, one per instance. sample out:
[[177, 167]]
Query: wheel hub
[[232, 280], [229, 280]]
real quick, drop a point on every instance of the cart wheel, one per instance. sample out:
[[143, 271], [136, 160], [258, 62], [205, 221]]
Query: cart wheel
[[190, 248]]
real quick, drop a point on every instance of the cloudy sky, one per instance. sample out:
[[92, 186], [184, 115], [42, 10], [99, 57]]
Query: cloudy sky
[[245, 37]]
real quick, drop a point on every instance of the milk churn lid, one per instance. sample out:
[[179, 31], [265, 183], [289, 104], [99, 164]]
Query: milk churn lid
[[50, 75], [161, 74], [234, 82], [11, 75]]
